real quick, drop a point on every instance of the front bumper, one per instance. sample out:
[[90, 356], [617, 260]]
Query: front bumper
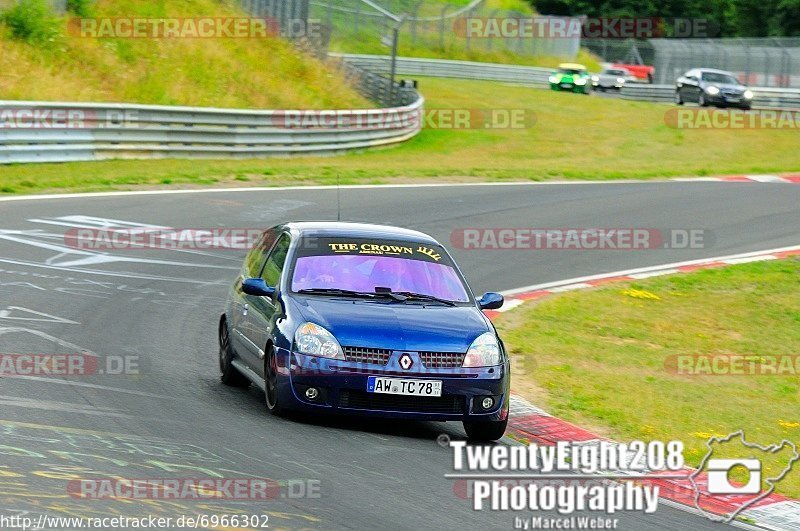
[[724, 101], [343, 385], [571, 87]]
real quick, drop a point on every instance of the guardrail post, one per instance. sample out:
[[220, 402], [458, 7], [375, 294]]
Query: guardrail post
[[441, 26]]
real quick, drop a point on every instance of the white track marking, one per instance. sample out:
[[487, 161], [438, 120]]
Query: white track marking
[[73, 383], [66, 344], [749, 259], [344, 187], [766, 178], [628, 272], [42, 317]]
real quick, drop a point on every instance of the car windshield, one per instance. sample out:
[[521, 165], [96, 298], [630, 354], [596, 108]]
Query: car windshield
[[716, 77], [616, 72], [570, 71], [364, 265]]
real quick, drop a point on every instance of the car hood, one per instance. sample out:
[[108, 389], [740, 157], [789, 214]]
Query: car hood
[[394, 325], [727, 86]]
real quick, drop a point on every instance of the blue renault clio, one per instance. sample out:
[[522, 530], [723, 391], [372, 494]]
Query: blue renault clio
[[334, 317]]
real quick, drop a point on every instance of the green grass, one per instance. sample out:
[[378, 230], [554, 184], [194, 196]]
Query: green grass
[[598, 358], [40, 59], [429, 41], [574, 137]]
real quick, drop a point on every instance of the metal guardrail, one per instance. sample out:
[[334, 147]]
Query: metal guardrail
[[412, 66], [646, 92], [762, 96], [535, 76], [60, 132]]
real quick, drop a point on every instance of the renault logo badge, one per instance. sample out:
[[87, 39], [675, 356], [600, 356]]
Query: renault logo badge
[[406, 362]]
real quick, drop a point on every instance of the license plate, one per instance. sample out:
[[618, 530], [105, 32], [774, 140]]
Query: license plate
[[733, 100], [566, 85], [397, 386]]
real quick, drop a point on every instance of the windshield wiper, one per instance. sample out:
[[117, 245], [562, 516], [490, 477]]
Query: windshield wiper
[[337, 291], [399, 296], [424, 297]]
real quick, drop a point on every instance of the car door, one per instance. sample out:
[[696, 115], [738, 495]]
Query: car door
[[692, 85], [252, 267], [261, 312]]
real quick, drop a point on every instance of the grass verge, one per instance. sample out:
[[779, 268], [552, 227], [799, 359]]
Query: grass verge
[[574, 137], [427, 40], [42, 59], [605, 359]]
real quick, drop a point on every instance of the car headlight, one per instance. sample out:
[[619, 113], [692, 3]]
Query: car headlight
[[484, 351], [620, 80], [553, 79], [580, 81], [713, 91], [748, 94], [595, 78], [314, 340]]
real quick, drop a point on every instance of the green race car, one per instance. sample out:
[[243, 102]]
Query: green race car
[[572, 77]]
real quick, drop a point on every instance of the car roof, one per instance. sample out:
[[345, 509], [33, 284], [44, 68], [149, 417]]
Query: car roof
[[572, 66], [714, 71], [357, 230]]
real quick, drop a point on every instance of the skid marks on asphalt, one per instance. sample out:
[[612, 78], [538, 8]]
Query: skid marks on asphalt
[[40, 462]]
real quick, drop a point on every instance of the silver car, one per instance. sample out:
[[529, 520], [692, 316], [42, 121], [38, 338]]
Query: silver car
[[611, 79]]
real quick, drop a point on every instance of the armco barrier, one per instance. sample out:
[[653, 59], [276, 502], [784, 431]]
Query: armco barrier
[[412, 66], [108, 131], [535, 76], [783, 98]]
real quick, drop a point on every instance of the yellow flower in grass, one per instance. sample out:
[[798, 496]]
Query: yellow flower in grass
[[706, 435], [641, 294], [789, 425]]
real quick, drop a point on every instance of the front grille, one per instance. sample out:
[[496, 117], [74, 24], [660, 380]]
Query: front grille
[[442, 360], [422, 404], [379, 356]]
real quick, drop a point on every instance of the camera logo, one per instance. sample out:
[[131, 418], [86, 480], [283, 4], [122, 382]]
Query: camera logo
[[719, 471], [719, 474]]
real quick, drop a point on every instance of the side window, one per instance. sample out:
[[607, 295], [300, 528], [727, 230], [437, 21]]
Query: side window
[[257, 255], [274, 266]]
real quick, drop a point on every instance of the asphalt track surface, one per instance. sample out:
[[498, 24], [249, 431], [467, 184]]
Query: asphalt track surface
[[176, 420]]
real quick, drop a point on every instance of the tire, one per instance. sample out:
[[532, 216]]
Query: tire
[[678, 98], [701, 101], [485, 431], [228, 374], [271, 382]]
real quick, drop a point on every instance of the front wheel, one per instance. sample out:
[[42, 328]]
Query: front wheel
[[701, 101], [271, 382], [678, 98], [489, 430], [227, 372]]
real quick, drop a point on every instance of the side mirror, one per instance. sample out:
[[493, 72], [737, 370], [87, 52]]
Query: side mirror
[[490, 301], [257, 287]]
